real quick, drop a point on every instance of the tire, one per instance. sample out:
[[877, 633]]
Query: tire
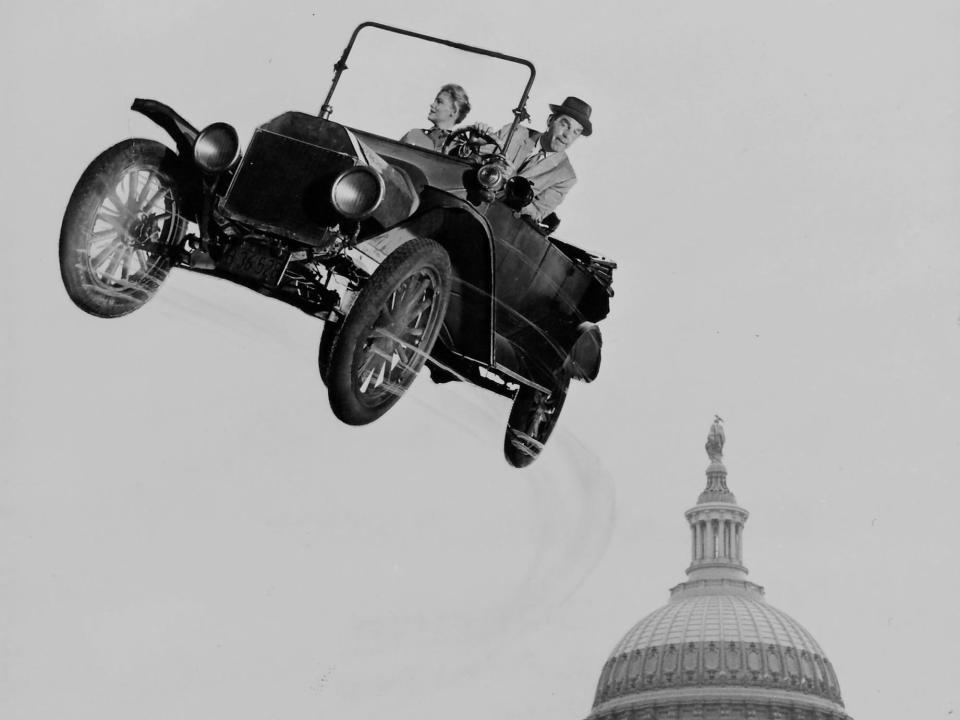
[[389, 332], [327, 338], [533, 417], [127, 202]]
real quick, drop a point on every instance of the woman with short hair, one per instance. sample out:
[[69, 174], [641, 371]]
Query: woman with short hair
[[449, 108]]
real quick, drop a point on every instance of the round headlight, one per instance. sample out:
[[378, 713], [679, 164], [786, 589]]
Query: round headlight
[[490, 176], [217, 148], [357, 192]]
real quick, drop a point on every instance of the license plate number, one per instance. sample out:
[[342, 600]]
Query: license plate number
[[254, 261]]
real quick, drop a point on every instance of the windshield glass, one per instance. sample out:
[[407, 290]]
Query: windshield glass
[[392, 80]]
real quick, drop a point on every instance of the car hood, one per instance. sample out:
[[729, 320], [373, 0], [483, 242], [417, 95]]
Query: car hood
[[402, 185]]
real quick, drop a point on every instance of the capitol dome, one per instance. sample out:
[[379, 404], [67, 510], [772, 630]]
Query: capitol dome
[[717, 648]]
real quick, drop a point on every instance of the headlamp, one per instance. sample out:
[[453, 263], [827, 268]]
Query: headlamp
[[357, 192], [217, 148], [491, 176]]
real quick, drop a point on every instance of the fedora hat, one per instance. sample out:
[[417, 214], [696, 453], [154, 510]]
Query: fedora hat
[[577, 109]]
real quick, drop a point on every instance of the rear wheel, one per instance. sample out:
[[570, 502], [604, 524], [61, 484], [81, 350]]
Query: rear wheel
[[327, 338], [532, 419], [388, 333], [122, 220]]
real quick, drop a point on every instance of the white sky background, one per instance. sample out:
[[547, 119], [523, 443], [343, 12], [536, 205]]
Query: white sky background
[[187, 532]]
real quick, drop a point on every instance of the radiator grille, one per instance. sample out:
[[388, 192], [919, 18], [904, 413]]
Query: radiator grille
[[283, 185]]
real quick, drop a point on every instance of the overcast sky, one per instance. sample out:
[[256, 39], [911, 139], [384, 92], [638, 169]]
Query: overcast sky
[[187, 532]]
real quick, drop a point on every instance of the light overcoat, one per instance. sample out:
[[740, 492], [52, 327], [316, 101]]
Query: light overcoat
[[552, 176]]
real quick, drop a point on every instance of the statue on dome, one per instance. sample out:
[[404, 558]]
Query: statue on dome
[[715, 440]]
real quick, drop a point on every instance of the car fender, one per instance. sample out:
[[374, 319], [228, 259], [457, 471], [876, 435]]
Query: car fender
[[467, 237], [459, 229], [370, 253], [182, 132], [184, 135], [464, 233]]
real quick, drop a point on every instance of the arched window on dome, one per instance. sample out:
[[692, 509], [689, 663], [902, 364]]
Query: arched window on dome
[[634, 669], [819, 673], [754, 662], [620, 672], [792, 667], [670, 661], [691, 658], [733, 658], [711, 658], [650, 664], [773, 661], [806, 669]]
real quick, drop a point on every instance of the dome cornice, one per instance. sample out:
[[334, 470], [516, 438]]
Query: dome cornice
[[768, 697]]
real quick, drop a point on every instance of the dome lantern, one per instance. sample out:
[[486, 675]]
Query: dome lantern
[[716, 521]]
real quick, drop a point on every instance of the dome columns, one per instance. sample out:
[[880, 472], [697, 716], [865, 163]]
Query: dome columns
[[716, 536]]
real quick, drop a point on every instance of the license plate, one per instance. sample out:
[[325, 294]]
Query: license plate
[[253, 261]]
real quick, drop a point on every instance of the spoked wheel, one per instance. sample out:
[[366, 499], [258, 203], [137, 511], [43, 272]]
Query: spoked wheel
[[122, 220], [532, 419], [389, 332]]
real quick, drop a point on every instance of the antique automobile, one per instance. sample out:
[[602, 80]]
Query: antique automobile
[[408, 255]]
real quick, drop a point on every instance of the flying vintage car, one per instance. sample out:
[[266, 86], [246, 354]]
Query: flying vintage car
[[410, 256]]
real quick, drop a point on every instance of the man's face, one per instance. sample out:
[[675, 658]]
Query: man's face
[[562, 132], [443, 111]]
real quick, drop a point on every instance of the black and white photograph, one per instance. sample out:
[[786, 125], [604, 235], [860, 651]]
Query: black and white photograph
[[554, 361]]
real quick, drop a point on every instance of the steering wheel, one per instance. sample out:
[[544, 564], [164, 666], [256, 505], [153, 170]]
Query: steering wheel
[[466, 143]]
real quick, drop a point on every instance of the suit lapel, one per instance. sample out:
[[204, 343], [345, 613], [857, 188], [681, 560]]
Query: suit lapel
[[552, 165], [524, 147], [547, 163]]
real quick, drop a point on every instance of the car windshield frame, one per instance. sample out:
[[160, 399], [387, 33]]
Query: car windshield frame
[[519, 113]]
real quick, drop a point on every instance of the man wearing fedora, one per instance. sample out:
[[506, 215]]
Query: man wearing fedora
[[541, 157]]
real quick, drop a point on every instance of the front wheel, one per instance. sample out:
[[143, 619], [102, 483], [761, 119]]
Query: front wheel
[[120, 224], [388, 333], [532, 419]]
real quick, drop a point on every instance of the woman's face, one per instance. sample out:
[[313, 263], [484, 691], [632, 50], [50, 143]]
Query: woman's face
[[443, 111]]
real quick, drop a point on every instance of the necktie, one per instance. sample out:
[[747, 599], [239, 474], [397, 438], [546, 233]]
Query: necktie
[[533, 160]]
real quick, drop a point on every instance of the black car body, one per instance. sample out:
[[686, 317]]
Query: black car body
[[409, 256]]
